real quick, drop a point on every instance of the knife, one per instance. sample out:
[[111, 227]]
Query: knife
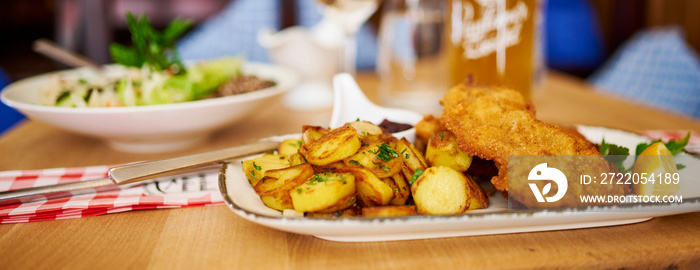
[[137, 173]]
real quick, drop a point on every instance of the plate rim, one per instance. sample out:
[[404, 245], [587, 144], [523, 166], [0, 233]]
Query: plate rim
[[290, 78]]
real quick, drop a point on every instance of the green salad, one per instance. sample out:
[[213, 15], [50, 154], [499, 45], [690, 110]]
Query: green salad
[[152, 73]]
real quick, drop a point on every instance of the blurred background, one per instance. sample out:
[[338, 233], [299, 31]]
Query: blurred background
[[580, 38]]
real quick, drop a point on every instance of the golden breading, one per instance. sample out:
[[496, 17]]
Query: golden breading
[[493, 123]]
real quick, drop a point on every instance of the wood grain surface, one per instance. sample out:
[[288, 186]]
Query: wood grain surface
[[212, 237]]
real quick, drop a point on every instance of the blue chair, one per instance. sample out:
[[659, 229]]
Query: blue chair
[[8, 116]]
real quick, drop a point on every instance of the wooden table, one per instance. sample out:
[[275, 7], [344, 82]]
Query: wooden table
[[213, 237]]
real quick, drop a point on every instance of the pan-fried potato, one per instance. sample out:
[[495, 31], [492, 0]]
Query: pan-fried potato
[[255, 169], [411, 156], [401, 189], [289, 147], [443, 150], [333, 146], [285, 178], [330, 167], [296, 159], [379, 158], [425, 129], [477, 195], [324, 191], [309, 134], [377, 138], [353, 211], [389, 211], [440, 190], [278, 200], [360, 169], [365, 128], [371, 191], [275, 185]]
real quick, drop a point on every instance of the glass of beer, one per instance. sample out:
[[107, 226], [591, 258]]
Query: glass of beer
[[495, 42]]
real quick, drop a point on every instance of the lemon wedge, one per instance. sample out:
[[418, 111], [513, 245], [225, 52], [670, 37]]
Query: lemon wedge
[[658, 164]]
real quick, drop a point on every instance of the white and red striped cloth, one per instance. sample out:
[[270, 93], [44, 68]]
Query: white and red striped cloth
[[176, 192]]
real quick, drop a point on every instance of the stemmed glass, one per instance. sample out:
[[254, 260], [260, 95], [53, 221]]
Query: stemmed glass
[[349, 15]]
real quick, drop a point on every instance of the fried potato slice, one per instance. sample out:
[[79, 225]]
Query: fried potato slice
[[411, 156], [284, 179], [379, 158], [365, 128], [371, 191], [296, 159], [275, 185], [289, 147], [440, 190], [333, 146], [389, 211], [443, 150], [425, 129], [477, 196], [310, 134], [324, 191], [401, 189], [255, 168]]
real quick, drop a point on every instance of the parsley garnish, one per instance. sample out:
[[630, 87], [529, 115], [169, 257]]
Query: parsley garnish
[[615, 154], [256, 166], [385, 152], [157, 49], [415, 176], [357, 163], [675, 146], [318, 178], [442, 137]]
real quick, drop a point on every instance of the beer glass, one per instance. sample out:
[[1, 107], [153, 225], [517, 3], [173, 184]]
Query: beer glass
[[495, 42]]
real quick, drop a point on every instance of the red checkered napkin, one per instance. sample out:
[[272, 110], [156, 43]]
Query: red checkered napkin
[[176, 192]]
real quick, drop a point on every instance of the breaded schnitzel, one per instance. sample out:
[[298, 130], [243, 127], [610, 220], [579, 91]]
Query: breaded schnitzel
[[493, 123]]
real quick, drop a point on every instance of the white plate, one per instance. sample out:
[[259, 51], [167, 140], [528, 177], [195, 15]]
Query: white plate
[[242, 199], [153, 128]]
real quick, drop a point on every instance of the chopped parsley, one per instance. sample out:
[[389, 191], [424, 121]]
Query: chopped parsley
[[256, 166], [442, 137], [385, 152], [319, 178], [415, 176], [406, 155], [356, 163]]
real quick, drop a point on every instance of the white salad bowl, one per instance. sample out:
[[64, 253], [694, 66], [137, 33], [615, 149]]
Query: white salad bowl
[[153, 128]]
